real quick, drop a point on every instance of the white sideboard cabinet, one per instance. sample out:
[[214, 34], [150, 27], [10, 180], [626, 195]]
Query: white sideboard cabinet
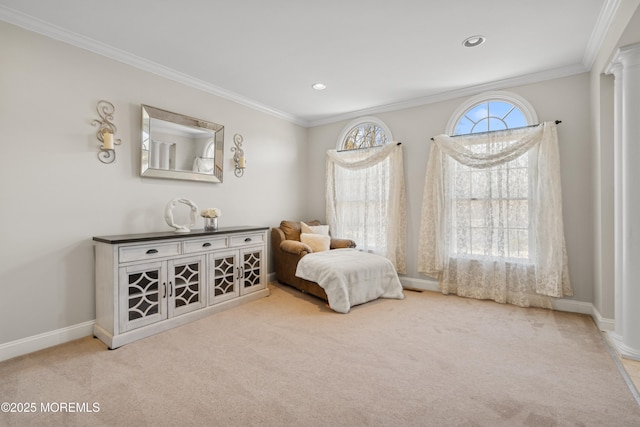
[[148, 283]]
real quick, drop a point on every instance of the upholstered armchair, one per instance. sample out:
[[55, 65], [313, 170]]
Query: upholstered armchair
[[287, 250]]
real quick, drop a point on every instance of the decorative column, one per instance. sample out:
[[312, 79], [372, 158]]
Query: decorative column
[[626, 70], [616, 69]]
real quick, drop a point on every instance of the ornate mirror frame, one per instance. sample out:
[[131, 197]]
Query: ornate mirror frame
[[175, 146]]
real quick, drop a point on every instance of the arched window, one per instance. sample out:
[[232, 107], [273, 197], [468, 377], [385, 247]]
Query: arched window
[[492, 209], [491, 111], [365, 132], [492, 205], [365, 189]]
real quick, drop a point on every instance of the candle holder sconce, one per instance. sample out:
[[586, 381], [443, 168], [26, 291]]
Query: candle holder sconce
[[238, 157], [106, 132]]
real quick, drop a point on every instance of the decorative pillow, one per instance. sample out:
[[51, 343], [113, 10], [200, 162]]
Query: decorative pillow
[[314, 229], [291, 230], [317, 242]]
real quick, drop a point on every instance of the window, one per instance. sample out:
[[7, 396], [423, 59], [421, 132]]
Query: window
[[366, 132], [491, 206], [361, 200], [365, 190], [489, 116]]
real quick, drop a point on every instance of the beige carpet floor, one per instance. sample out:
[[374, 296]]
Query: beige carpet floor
[[287, 360]]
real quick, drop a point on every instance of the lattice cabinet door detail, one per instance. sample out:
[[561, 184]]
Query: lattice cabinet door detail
[[156, 291], [186, 285], [224, 272], [143, 289], [251, 270]]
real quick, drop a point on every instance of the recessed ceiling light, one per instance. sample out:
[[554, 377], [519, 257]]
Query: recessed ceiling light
[[473, 41], [319, 86]]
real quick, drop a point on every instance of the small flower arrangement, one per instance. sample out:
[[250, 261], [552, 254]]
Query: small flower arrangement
[[211, 213]]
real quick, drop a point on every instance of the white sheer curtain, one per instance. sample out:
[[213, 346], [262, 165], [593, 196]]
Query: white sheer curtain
[[491, 229], [365, 200]]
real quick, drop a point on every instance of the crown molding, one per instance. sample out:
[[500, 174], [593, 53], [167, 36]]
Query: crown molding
[[39, 26], [458, 93], [55, 32], [603, 23]]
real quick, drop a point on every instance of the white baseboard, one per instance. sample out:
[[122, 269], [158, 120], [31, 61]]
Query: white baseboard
[[45, 340], [607, 325], [49, 339], [60, 336], [567, 305], [623, 350], [572, 306], [419, 284]]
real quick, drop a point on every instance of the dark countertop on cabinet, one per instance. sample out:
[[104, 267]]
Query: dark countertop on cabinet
[[166, 235]]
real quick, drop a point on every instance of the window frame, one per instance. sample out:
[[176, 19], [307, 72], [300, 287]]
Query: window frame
[[360, 121], [531, 118], [527, 109], [367, 245]]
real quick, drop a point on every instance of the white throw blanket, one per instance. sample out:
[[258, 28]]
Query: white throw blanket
[[350, 277]]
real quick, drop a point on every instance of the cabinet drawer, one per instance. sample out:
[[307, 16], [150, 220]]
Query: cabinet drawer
[[201, 245], [247, 239], [138, 253]]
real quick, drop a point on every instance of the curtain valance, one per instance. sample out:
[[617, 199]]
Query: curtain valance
[[514, 143], [438, 255], [362, 158], [365, 191]]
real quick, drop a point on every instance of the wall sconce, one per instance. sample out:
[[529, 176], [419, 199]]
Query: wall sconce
[[238, 157], [106, 132]]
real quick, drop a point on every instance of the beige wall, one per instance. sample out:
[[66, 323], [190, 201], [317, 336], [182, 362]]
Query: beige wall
[[585, 105], [56, 195], [565, 99]]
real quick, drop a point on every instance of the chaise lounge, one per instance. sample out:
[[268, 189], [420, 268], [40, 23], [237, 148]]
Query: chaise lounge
[[309, 259], [287, 250]]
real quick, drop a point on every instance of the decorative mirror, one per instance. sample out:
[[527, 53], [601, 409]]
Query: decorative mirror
[[175, 146]]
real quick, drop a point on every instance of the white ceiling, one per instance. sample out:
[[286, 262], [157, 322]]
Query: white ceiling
[[373, 55]]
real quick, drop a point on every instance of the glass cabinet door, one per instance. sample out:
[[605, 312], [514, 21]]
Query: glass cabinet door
[[251, 278], [143, 289], [186, 285], [223, 276]]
